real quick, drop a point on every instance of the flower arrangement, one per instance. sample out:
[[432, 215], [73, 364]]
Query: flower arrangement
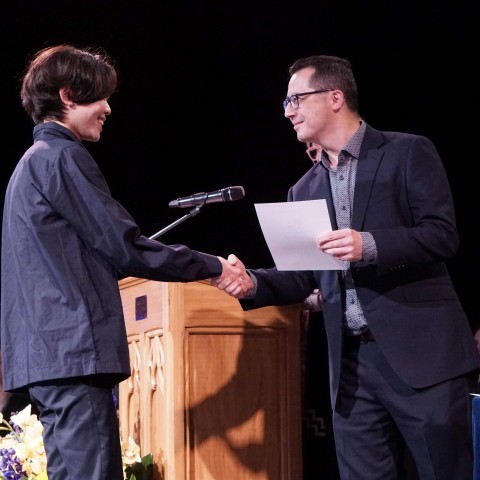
[[22, 454]]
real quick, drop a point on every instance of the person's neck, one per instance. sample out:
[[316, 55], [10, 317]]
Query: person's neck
[[338, 136]]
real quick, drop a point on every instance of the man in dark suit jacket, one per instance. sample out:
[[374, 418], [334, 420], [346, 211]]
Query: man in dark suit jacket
[[401, 351]]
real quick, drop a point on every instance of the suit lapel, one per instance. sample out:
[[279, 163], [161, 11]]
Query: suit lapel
[[368, 163], [320, 188]]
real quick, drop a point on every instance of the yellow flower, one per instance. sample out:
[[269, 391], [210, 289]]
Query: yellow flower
[[25, 438], [130, 452], [25, 418]]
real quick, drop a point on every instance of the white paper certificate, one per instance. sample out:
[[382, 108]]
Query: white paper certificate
[[290, 230]]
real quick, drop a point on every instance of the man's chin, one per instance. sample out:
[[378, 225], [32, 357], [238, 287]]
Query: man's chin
[[303, 138]]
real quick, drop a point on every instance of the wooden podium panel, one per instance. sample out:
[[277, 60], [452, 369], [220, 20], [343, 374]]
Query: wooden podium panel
[[215, 392]]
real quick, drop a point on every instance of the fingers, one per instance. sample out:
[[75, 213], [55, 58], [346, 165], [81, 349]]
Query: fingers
[[344, 244], [335, 238], [233, 260], [234, 279], [238, 288]]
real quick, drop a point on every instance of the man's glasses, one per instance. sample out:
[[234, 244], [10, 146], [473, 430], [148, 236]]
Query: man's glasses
[[293, 100]]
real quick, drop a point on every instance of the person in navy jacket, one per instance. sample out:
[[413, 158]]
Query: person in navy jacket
[[64, 241]]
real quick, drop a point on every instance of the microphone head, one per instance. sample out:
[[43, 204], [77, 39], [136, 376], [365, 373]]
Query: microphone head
[[234, 193], [228, 194]]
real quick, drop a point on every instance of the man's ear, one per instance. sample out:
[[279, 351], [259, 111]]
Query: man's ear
[[338, 99], [65, 96]]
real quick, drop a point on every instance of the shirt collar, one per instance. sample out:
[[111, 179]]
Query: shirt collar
[[354, 144], [351, 148]]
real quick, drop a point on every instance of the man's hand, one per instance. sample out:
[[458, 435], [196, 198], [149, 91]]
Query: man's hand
[[345, 244], [234, 279]]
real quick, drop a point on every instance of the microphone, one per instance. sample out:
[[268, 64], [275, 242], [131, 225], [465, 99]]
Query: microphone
[[228, 194]]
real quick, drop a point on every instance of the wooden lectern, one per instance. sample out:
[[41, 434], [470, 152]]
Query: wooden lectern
[[215, 392]]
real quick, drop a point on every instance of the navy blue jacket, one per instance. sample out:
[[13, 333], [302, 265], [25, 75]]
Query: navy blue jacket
[[64, 238]]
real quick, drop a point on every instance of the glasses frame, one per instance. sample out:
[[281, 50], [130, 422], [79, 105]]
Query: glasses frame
[[294, 99], [313, 151]]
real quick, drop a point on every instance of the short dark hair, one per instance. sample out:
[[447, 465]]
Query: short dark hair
[[330, 72], [88, 74]]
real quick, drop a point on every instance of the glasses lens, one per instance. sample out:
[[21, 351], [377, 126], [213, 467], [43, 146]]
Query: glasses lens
[[294, 101]]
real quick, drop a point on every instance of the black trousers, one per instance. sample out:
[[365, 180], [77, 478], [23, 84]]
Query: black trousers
[[81, 431], [378, 413]]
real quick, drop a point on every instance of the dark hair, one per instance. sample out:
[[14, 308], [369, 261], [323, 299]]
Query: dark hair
[[88, 75], [330, 72]]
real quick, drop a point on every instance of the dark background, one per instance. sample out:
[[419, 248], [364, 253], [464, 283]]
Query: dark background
[[199, 104]]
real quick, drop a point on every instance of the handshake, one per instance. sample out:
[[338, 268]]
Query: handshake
[[234, 279]]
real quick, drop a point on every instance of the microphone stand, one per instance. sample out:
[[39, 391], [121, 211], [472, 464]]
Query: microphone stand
[[192, 213]]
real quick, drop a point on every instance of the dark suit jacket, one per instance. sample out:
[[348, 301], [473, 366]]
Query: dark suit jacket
[[402, 196]]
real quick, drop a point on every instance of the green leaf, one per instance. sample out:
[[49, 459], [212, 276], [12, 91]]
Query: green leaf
[[147, 460], [141, 470]]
